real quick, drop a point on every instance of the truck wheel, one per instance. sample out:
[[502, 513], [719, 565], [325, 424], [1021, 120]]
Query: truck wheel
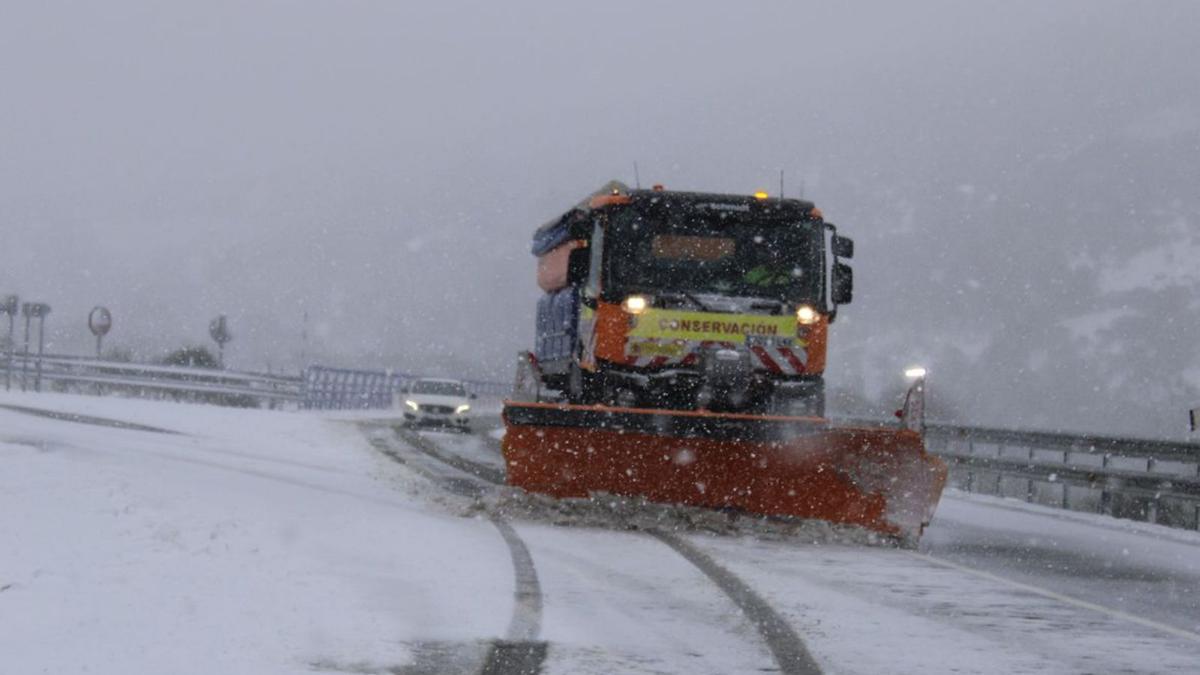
[[814, 403], [811, 403]]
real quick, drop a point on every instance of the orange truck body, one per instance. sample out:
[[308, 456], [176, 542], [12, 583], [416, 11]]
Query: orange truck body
[[671, 394]]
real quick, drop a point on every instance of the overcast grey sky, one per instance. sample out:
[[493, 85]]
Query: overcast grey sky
[[380, 165]]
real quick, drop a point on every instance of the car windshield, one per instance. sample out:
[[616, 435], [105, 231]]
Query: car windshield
[[439, 388], [716, 252]]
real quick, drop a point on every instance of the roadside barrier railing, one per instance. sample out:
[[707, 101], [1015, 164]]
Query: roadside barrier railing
[[1139, 479], [327, 388], [318, 387], [88, 375]]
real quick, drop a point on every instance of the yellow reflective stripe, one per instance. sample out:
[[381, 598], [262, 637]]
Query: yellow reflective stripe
[[681, 325]]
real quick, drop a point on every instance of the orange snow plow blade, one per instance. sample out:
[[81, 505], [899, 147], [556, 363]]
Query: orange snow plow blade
[[879, 478]]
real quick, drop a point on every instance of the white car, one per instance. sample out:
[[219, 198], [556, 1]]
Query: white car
[[440, 402]]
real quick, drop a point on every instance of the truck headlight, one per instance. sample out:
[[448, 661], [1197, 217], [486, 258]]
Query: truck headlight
[[806, 315], [635, 304], [412, 404], [462, 409]]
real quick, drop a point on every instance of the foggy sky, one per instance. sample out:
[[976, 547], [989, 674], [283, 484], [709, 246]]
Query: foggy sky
[[381, 165]]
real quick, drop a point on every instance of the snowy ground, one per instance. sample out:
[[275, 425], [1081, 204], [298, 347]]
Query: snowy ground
[[251, 542], [268, 542]]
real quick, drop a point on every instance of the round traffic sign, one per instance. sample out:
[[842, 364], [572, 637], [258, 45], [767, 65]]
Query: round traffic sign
[[99, 321]]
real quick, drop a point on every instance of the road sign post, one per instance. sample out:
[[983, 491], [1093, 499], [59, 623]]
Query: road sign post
[[9, 306], [34, 310], [25, 350], [218, 329], [99, 322]]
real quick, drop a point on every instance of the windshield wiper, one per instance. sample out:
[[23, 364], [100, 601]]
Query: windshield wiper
[[696, 301], [775, 306]]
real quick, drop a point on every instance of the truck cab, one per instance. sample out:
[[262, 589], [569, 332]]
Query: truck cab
[[684, 300]]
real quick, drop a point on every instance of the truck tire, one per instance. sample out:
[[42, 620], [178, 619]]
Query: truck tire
[[811, 403]]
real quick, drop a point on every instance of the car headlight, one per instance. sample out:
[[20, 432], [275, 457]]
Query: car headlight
[[412, 404], [635, 304], [806, 315], [462, 409]]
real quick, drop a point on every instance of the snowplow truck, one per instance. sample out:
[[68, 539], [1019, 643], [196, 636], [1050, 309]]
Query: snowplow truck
[[679, 356]]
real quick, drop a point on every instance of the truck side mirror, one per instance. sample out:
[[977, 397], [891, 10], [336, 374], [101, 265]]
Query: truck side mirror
[[578, 265], [843, 247], [842, 288]]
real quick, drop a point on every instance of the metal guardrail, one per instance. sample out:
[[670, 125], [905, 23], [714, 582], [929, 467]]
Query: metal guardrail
[[328, 388], [1074, 443], [85, 375], [1140, 479], [350, 389], [1156, 481], [319, 387]]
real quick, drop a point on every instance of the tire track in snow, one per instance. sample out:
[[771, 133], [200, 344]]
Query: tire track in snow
[[490, 474], [526, 623], [84, 419], [785, 645], [520, 652], [133, 426]]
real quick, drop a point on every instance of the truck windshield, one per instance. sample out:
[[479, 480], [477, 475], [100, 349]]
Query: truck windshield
[[732, 253]]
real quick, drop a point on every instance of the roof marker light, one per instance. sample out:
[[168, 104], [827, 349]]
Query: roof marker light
[[760, 195]]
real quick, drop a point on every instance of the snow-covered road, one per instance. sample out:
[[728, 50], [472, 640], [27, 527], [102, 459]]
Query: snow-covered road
[[1129, 568], [268, 542]]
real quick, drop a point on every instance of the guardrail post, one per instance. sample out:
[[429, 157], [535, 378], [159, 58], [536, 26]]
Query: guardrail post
[[1029, 481], [9, 307], [1106, 506], [25, 351], [37, 382]]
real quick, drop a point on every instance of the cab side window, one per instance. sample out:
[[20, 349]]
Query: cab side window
[[592, 288]]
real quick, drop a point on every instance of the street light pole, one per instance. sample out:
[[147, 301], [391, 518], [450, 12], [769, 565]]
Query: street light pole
[[913, 414]]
